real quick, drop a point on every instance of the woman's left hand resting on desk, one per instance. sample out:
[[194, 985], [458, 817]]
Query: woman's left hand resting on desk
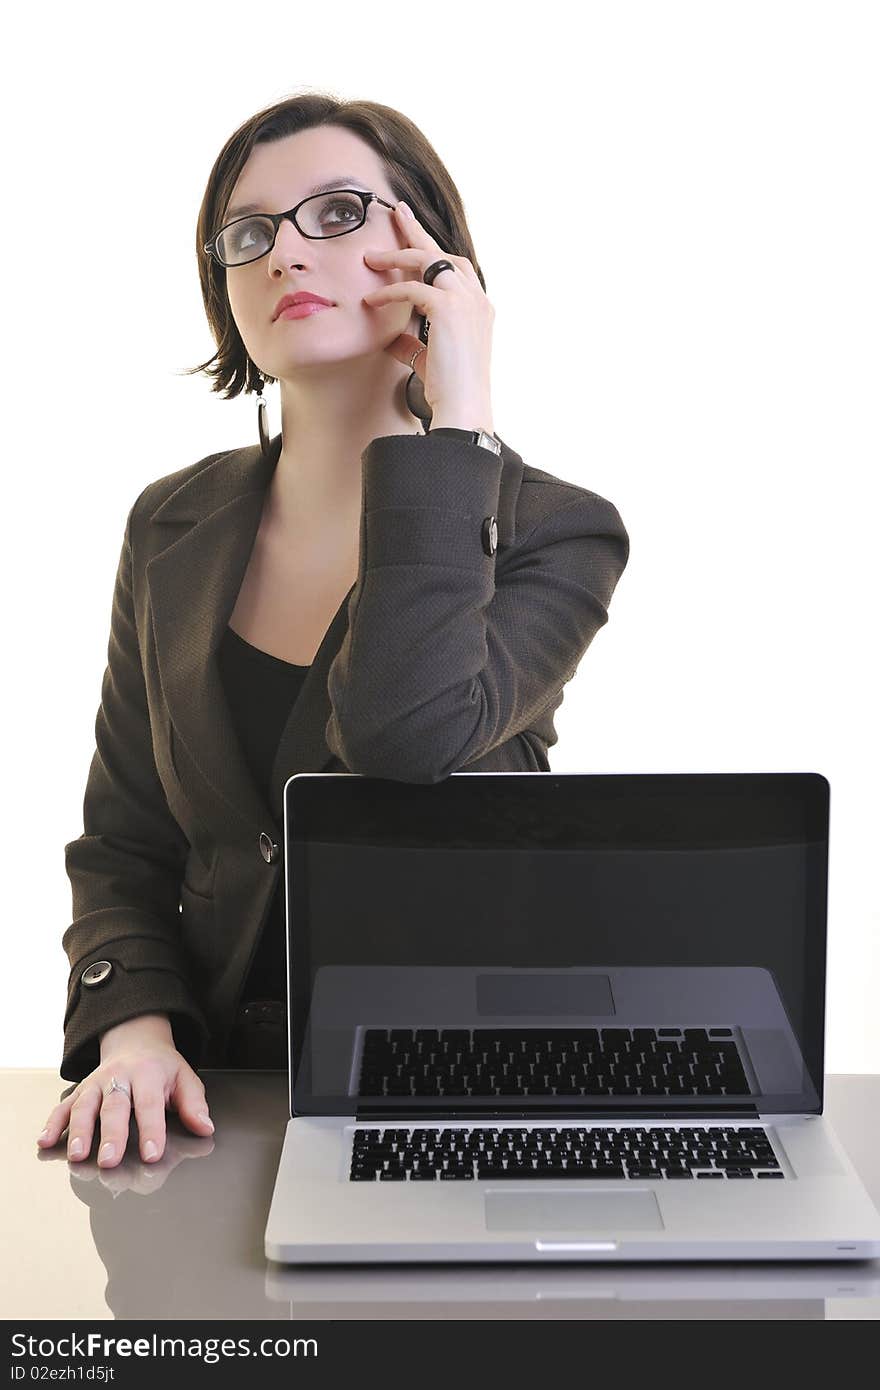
[[141, 1053]]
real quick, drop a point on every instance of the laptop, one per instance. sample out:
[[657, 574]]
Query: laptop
[[541, 1017]]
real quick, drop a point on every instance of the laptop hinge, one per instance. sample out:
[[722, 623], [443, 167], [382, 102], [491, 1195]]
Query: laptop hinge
[[534, 1112]]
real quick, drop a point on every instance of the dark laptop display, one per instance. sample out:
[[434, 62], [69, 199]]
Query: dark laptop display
[[538, 944]]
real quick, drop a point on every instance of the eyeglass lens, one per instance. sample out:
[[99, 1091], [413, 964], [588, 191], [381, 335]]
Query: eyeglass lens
[[326, 215]]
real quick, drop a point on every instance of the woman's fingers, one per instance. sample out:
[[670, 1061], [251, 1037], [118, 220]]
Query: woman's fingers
[[115, 1120], [56, 1123], [411, 258], [83, 1113], [149, 1109], [188, 1097]]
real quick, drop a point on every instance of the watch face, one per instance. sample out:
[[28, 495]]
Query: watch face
[[488, 441]]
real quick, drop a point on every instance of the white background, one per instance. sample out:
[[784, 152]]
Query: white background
[[692, 332]]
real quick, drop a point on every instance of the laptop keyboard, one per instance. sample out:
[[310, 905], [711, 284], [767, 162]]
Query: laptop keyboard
[[430, 1155], [551, 1062]]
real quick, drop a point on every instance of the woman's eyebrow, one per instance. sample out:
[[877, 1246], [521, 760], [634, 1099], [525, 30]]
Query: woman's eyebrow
[[337, 181]]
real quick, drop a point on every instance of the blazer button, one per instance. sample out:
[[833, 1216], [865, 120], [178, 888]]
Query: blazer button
[[490, 535], [269, 849], [97, 973]]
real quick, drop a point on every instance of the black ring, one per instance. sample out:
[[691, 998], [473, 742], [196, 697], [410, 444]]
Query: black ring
[[434, 270]]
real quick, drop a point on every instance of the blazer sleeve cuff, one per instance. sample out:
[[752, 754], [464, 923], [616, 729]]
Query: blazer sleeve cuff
[[425, 500], [144, 978]]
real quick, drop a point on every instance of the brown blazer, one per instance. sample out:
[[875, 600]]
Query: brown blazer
[[444, 656]]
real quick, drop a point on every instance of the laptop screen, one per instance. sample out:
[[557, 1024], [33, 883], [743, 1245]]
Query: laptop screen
[[539, 944]]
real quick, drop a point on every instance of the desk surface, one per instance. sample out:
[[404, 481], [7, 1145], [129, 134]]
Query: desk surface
[[183, 1238]]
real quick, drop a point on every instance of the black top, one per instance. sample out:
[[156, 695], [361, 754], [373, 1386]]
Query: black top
[[261, 690]]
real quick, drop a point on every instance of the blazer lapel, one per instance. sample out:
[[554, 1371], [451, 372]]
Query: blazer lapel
[[211, 522]]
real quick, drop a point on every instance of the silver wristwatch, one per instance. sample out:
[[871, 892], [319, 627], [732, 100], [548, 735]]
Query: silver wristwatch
[[481, 437]]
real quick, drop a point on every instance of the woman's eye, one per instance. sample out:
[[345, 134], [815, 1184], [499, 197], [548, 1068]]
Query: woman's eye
[[341, 210]]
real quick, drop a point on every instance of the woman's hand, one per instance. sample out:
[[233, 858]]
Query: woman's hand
[[159, 1077], [455, 367]]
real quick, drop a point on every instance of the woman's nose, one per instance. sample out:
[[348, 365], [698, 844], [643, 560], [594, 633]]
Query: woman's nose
[[290, 244]]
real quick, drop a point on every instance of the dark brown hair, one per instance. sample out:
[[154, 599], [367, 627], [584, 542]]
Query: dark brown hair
[[415, 173]]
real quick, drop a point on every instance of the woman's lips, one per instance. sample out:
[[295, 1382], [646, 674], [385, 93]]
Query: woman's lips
[[301, 311]]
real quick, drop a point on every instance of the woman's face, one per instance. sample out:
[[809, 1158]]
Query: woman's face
[[275, 177]]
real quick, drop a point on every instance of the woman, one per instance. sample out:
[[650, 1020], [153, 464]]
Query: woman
[[359, 594]]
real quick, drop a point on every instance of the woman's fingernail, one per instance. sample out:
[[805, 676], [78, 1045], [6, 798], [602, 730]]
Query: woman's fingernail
[[407, 210], [43, 1133], [206, 1119], [76, 1148], [107, 1151], [150, 1149]]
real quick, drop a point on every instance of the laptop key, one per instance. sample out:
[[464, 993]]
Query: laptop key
[[602, 1173]]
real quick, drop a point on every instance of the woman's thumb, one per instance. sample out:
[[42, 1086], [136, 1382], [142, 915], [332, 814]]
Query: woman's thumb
[[191, 1103]]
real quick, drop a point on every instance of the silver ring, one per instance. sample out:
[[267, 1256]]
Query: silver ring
[[116, 1085], [412, 360]]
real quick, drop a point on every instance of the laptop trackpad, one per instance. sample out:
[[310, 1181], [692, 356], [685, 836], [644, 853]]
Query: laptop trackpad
[[584, 1212]]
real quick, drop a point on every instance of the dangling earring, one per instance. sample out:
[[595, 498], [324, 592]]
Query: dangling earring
[[262, 417], [415, 390]]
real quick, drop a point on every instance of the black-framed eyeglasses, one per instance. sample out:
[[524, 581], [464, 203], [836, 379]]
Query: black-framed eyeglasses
[[321, 215]]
